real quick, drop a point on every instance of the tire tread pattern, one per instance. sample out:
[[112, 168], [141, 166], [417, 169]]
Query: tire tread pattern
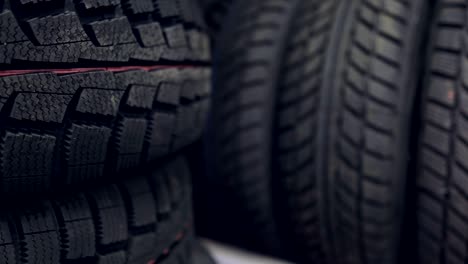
[[58, 130], [241, 108], [370, 129], [100, 31], [442, 169], [118, 223], [296, 129]]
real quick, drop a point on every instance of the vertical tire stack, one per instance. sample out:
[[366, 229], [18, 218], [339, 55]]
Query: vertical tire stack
[[98, 100], [316, 144]]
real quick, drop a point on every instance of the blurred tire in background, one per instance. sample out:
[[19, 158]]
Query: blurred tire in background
[[442, 200], [311, 125]]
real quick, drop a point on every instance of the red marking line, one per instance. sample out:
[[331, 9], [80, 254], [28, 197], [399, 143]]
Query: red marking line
[[78, 70]]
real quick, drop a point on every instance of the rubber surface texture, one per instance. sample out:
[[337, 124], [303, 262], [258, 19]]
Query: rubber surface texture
[[84, 31], [147, 219], [66, 130], [442, 199]]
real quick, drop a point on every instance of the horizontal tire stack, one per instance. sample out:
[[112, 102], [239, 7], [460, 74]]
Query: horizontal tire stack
[[92, 90]]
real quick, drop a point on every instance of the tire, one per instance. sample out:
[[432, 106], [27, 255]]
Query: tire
[[64, 128], [89, 32], [441, 203], [90, 89], [316, 151], [367, 117], [250, 53], [143, 220]]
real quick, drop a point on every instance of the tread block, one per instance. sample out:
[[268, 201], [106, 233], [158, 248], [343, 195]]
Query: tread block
[[7, 253], [168, 93], [41, 82], [142, 205], [141, 96], [93, 4], [98, 79], [97, 101], [150, 35], [7, 250], [139, 77], [175, 36], [111, 32], [129, 141], [78, 229], [111, 222], [40, 107], [85, 152], [27, 155], [161, 134], [10, 29], [166, 8], [62, 28], [139, 6], [41, 235]]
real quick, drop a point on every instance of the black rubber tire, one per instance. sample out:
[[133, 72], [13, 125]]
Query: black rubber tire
[[442, 200], [89, 32], [316, 151], [246, 66], [147, 219], [62, 130], [365, 113]]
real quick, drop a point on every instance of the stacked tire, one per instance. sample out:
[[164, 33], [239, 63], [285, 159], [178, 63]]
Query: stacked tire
[[141, 220], [98, 100]]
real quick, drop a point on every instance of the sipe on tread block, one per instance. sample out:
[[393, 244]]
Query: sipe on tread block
[[111, 224]]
